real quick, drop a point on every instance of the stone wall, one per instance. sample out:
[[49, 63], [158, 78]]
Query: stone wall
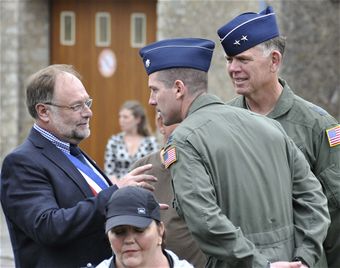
[[9, 80], [24, 48], [312, 58], [34, 50], [312, 62]]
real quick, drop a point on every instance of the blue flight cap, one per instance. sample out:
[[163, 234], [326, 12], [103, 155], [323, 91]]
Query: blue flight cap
[[192, 53], [248, 30]]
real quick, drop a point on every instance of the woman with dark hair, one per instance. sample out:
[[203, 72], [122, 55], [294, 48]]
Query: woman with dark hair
[[136, 232], [132, 143]]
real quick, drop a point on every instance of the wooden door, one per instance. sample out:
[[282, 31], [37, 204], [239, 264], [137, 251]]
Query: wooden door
[[101, 39]]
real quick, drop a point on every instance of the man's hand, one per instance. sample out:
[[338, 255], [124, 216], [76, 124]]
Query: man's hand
[[286, 264], [113, 179], [136, 178], [163, 206]]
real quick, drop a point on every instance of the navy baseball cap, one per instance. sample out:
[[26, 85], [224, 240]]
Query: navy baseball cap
[[195, 53], [248, 30], [133, 206]]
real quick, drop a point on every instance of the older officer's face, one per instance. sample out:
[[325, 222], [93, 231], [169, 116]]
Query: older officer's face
[[249, 70], [70, 114], [165, 99]]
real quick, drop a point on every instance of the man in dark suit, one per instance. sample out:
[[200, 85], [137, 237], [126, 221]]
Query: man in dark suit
[[53, 195]]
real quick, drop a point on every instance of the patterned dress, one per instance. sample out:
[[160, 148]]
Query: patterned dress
[[117, 158]]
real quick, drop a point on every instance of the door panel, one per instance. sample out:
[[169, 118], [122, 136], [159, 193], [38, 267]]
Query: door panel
[[129, 80]]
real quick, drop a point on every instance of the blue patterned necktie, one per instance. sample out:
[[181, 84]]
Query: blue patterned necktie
[[75, 151]]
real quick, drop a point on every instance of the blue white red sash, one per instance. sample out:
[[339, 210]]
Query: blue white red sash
[[92, 178]]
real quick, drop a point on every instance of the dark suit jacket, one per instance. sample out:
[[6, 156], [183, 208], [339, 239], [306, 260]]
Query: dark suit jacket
[[54, 220]]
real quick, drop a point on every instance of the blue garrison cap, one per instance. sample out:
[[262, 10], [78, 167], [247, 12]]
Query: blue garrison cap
[[192, 53], [248, 30]]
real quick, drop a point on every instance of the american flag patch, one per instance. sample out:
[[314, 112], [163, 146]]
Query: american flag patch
[[333, 135], [169, 156]]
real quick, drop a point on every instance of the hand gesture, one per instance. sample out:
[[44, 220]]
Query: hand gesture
[[136, 177]]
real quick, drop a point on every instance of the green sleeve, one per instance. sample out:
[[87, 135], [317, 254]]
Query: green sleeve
[[327, 169], [311, 217]]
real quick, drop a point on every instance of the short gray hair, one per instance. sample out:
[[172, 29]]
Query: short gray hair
[[277, 43]]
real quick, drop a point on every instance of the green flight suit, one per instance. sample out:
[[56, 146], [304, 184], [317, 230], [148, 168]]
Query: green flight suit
[[306, 124], [244, 189]]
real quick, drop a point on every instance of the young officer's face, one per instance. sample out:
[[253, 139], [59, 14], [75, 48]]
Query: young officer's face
[[165, 100], [249, 70]]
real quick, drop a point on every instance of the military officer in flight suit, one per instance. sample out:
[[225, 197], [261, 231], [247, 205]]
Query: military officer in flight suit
[[244, 189], [254, 52]]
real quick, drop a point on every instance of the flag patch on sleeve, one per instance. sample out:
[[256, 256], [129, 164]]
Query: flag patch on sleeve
[[169, 156], [333, 135]]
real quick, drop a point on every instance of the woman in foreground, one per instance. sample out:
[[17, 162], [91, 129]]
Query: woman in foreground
[[136, 233]]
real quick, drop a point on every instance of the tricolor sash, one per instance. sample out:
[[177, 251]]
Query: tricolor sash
[[92, 178]]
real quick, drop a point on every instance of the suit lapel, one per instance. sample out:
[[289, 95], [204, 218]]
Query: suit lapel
[[57, 157]]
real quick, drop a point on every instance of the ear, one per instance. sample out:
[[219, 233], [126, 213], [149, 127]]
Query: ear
[[180, 89], [43, 112], [276, 59], [161, 229], [162, 130]]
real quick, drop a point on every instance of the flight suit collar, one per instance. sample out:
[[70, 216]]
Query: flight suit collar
[[203, 100], [284, 103]]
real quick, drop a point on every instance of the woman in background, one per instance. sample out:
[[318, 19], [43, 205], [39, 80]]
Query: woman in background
[[132, 143]]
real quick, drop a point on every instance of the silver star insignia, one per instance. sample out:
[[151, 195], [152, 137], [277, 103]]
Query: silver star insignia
[[147, 63], [244, 38], [237, 43]]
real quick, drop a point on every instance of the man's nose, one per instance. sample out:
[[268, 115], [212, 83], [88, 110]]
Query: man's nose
[[87, 111], [152, 101], [233, 66]]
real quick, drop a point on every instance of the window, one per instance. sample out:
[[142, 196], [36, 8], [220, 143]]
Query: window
[[67, 28], [103, 29], [138, 30]]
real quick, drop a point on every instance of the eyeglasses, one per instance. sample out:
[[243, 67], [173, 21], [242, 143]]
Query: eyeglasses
[[74, 108]]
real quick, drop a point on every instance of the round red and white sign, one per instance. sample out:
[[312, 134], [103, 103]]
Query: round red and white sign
[[107, 63]]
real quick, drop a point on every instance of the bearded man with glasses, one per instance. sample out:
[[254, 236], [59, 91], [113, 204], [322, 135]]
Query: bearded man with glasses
[[54, 195]]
